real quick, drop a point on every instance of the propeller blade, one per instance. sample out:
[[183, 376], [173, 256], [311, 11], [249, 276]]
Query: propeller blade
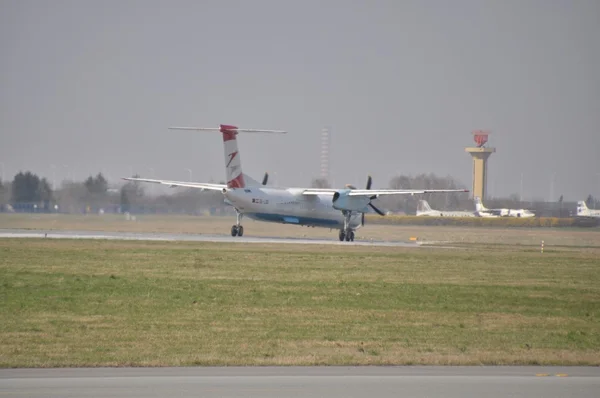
[[369, 182], [376, 209], [265, 179]]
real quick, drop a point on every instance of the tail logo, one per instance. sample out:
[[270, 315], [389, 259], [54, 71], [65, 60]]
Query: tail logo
[[231, 156]]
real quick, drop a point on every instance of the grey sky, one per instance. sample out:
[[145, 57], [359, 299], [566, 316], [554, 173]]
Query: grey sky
[[92, 86]]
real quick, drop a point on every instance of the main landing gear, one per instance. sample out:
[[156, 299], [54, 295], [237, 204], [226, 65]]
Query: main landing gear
[[347, 236], [237, 229], [347, 233]]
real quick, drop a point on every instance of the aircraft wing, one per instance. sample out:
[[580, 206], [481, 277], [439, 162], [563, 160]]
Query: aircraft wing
[[199, 185], [378, 192], [319, 191]]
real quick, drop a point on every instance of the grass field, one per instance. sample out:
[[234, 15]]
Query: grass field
[[124, 303]]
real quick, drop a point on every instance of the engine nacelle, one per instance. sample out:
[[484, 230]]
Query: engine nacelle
[[343, 201]]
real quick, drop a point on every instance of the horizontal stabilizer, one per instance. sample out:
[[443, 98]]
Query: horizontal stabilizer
[[229, 129]]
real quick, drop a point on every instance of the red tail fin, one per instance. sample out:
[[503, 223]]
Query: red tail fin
[[233, 164]]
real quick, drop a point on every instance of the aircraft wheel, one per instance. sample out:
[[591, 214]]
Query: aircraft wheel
[[342, 235], [234, 230], [240, 230], [351, 233]]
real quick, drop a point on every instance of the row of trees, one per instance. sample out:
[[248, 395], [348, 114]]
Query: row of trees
[[28, 192], [28, 187], [94, 194]]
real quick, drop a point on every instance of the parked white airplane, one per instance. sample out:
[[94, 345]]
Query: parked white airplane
[[423, 209], [315, 207], [485, 212], [584, 211]]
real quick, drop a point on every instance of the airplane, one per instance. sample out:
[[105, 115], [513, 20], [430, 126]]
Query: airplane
[[423, 209], [584, 211], [485, 212], [331, 208]]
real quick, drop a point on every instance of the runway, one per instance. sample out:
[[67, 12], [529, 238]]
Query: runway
[[59, 234], [333, 382]]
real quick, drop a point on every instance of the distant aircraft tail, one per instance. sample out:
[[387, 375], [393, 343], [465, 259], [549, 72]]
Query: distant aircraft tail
[[423, 206], [478, 204], [582, 208], [233, 162]]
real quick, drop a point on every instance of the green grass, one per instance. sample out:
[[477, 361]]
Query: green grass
[[111, 303]]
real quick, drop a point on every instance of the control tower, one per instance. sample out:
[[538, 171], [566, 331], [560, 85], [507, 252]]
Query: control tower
[[480, 155]]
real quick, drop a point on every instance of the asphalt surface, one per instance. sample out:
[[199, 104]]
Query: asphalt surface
[[57, 234], [333, 382]]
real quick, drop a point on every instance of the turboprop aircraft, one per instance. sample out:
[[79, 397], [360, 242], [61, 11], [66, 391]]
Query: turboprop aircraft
[[342, 208], [485, 212]]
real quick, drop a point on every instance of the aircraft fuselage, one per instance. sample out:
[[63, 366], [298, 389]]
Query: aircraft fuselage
[[288, 206]]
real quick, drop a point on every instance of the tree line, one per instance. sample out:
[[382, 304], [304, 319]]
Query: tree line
[[93, 194], [29, 192]]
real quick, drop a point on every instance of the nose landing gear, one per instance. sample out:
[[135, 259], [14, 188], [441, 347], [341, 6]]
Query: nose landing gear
[[347, 233]]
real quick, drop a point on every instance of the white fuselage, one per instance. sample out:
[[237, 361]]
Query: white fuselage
[[585, 212], [288, 206], [487, 213], [506, 213], [483, 212], [523, 213], [439, 213]]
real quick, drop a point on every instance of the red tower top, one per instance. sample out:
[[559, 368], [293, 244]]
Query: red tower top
[[480, 137]]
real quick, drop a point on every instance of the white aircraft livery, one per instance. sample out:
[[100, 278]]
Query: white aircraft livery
[[423, 209], [315, 207], [584, 211], [485, 212]]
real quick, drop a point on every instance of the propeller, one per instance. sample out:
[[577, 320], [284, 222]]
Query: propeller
[[369, 182], [265, 179], [376, 209]]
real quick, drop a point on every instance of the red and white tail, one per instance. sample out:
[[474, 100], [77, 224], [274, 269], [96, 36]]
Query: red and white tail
[[233, 163]]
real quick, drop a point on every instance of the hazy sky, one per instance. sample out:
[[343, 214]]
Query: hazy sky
[[91, 86]]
